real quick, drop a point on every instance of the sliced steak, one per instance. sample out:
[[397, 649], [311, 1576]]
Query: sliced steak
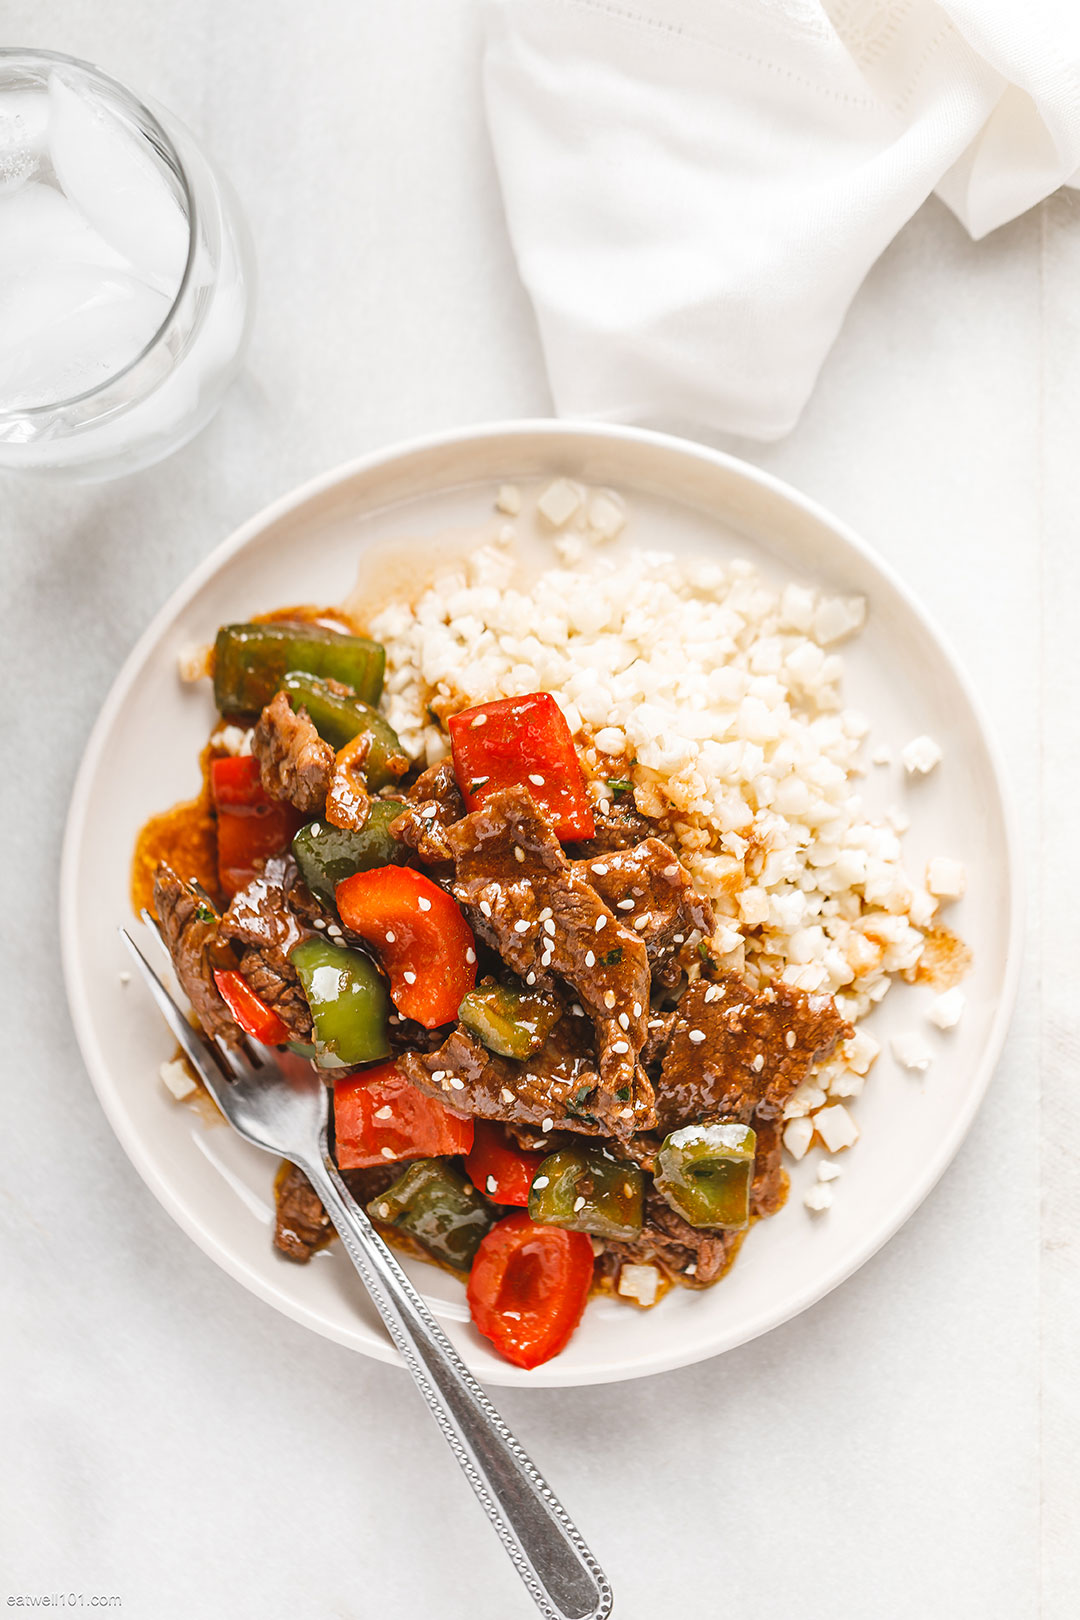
[[347, 798], [295, 763], [769, 1188], [301, 1224], [261, 922], [693, 1256], [432, 804], [554, 1085], [190, 928], [740, 1053], [547, 922], [619, 825], [650, 891]]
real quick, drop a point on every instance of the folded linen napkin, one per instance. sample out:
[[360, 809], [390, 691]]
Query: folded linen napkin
[[696, 188]]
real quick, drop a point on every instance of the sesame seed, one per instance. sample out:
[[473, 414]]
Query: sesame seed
[[545, 914], [626, 1113], [579, 1203], [643, 921], [390, 936], [384, 1113], [409, 976], [548, 1125], [458, 1085], [627, 1190], [624, 1021], [333, 930], [439, 1074], [590, 959], [758, 1063], [546, 959], [541, 1181], [671, 871], [549, 926], [491, 1184], [384, 1212], [697, 1035], [530, 978], [478, 720], [522, 926], [485, 907], [423, 902], [625, 905], [576, 1010], [691, 1270], [714, 992], [619, 1046], [519, 853], [601, 922], [319, 922], [470, 955], [388, 1153], [506, 1095], [601, 871], [637, 1009], [537, 781], [678, 938], [609, 999], [789, 1039], [429, 811]]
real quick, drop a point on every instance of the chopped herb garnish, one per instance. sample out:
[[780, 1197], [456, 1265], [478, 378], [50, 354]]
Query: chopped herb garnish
[[204, 913], [612, 956], [623, 1094], [583, 1095], [619, 784]]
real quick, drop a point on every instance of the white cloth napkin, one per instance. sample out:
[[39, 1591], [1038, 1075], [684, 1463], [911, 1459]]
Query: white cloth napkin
[[696, 188]]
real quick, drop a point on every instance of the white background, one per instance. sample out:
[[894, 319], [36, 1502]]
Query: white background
[[904, 1449]]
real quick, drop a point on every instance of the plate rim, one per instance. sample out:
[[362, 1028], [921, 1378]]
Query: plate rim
[[96, 1061]]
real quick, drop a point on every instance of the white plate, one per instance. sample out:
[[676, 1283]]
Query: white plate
[[142, 755]]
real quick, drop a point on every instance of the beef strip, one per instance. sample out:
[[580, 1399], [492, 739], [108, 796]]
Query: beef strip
[[260, 921], [752, 1049], [554, 1084], [768, 1189], [619, 826], [191, 931], [693, 1256], [295, 763], [432, 804], [546, 921], [347, 798], [301, 1224], [650, 891]]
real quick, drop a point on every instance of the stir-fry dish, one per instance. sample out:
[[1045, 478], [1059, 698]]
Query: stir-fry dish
[[576, 918], [539, 1078]]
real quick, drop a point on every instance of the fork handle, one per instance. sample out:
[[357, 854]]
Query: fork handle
[[561, 1574]]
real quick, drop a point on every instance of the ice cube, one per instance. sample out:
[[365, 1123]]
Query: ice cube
[[109, 174], [24, 119], [69, 329], [40, 229]]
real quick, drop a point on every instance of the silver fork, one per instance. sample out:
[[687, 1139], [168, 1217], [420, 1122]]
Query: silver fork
[[288, 1116]]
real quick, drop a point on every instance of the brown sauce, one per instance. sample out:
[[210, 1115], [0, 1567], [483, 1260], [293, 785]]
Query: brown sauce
[[185, 836], [944, 961]]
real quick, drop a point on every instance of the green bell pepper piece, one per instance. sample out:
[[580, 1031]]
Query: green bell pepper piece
[[513, 1023], [705, 1172], [585, 1191], [349, 1001], [440, 1209], [338, 719], [326, 854], [252, 660]]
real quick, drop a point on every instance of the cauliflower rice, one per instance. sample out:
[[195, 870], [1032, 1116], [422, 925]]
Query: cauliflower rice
[[717, 696]]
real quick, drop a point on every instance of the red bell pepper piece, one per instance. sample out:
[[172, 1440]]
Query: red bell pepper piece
[[250, 825], [421, 937], [250, 1011], [497, 1168], [528, 1287], [379, 1110], [526, 741]]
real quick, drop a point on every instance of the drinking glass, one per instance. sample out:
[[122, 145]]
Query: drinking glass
[[126, 275]]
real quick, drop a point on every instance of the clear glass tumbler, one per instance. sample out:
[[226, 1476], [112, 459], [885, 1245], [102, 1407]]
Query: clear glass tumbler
[[126, 274]]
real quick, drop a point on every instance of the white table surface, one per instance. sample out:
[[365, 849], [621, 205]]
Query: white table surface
[[906, 1448]]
